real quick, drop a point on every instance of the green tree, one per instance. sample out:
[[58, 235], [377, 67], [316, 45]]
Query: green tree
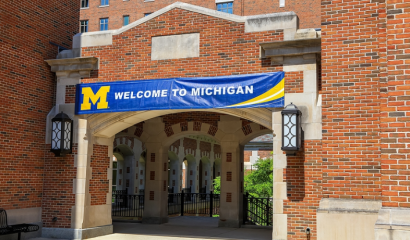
[[217, 185], [259, 182]]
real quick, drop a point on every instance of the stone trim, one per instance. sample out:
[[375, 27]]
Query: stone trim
[[256, 23], [76, 234], [336, 205]]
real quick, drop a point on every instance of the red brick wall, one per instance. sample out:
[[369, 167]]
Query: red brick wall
[[303, 176], [294, 82], [99, 184], [351, 99], [308, 11], [28, 88], [247, 156], [235, 52], [57, 196], [396, 107], [70, 94]]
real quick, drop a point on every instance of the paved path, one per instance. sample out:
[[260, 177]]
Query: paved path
[[183, 228]]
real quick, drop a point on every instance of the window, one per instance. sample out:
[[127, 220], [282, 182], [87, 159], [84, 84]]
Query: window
[[84, 3], [225, 7], [104, 2], [126, 20], [103, 24], [281, 3], [146, 14], [84, 26]]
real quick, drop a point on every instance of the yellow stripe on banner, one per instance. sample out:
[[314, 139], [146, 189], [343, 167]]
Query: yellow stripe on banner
[[274, 93]]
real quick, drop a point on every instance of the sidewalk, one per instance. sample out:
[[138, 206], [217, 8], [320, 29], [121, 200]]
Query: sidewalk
[[182, 228]]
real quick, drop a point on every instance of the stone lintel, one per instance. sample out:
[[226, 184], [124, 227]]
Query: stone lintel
[[335, 205], [290, 47], [82, 65]]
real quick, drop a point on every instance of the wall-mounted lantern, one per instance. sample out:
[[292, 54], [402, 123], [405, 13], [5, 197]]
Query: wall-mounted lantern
[[61, 134], [292, 132]]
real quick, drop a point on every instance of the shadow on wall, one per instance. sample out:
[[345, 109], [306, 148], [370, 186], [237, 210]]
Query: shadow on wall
[[295, 176]]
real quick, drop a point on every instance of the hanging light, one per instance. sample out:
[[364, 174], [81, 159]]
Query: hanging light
[[61, 134], [292, 132]]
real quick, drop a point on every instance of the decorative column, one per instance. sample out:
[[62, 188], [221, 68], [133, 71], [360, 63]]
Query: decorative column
[[231, 205], [279, 187], [156, 165], [88, 212]]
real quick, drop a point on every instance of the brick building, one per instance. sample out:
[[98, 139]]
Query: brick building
[[117, 13], [350, 181]]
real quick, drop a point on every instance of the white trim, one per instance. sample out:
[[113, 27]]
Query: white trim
[[223, 1], [102, 6], [257, 23], [84, 8]]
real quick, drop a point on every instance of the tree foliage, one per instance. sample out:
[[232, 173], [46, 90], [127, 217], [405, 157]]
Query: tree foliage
[[217, 185], [259, 182]]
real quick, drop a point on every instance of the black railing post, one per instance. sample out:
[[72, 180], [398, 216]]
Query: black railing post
[[211, 204], [245, 207], [182, 202], [267, 211]]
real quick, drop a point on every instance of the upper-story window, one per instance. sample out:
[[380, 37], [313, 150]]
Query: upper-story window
[[126, 20], [104, 2], [225, 7], [84, 26], [84, 3], [281, 3], [146, 14], [103, 24]]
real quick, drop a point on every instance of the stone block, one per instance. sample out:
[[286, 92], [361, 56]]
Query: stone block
[[175, 46]]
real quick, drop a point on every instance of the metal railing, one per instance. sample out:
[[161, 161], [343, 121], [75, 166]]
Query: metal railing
[[198, 204], [127, 205], [257, 211]]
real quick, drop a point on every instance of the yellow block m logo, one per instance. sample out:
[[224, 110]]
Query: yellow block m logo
[[88, 95]]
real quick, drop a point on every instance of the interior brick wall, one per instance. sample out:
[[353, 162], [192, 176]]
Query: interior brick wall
[[204, 117], [308, 11], [99, 184], [190, 144], [303, 177], [28, 88]]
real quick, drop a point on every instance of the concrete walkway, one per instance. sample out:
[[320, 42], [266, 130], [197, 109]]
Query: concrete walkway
[[183, 228]]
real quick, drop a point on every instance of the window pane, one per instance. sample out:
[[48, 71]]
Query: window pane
[[225, 7], [114, 177], [114, 165], [126, 20]]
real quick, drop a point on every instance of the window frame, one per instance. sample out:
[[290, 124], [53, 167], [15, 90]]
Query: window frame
[[123, 20], [105, 23], [81, 26], [105, 3], [85, 1], [220, 9]]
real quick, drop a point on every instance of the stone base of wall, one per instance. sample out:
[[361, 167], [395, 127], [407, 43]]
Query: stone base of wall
[[341, 219], [393, 223], [77, 234]]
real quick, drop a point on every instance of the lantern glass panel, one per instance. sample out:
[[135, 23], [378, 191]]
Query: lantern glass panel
[[56, 135], [67, 135], [289, 130]]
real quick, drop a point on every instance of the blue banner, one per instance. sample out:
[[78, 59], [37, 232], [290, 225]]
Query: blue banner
[[235, 91]]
